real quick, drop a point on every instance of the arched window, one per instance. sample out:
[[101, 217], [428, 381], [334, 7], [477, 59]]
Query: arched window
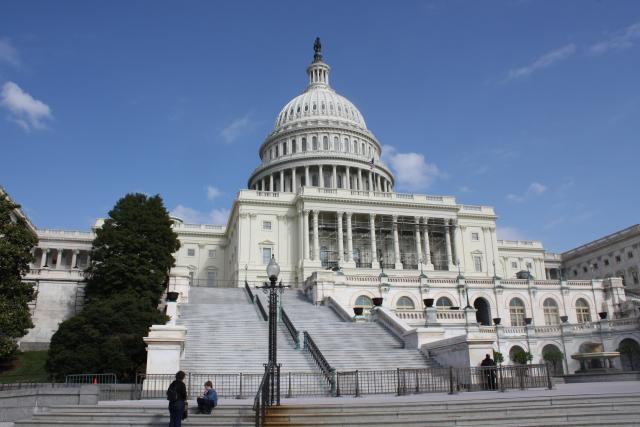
[[364, 302], [304, 144], [513, 351], [443, 303], [355, 147], [336, 143], [346, 144], [293, 146], [284, 148], [325, 143], [405, 303], [551, 314], [314, 143], [516, 311], [583, 313]]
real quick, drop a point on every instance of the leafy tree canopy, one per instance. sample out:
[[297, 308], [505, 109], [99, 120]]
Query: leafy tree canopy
[[131, 258], [16, 243]]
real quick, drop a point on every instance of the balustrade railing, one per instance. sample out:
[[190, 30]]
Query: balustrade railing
[[91, 379]]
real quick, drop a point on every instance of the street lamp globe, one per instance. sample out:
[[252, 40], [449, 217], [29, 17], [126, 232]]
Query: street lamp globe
[[273, 269]]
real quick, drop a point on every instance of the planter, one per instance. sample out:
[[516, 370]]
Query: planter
[[358, 311], [377, 301], [603, 315], [428, 302], [497, 320], [172, 296], [527, 320], [564, 319]]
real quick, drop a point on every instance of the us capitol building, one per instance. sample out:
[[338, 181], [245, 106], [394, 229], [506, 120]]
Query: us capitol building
[[322, 202]]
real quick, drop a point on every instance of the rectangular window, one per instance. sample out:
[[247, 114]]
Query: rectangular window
[[212, 253], [595, 265], [584, 269], [475, 236], [575, 272], [191, 252], [630, 254], [266, 225], [618, 259], [529, 265], [211, 278], [266, 255], [477, 263], [514, 264], [606, 262]]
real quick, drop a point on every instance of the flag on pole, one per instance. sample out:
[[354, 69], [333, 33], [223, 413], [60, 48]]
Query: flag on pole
[[371, 163]]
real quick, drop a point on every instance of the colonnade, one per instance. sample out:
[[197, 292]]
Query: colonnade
[[423, 226], [47, 254], [324, 176]]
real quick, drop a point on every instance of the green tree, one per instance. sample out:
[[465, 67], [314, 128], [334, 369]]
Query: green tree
[[131, 259], [16, 242]]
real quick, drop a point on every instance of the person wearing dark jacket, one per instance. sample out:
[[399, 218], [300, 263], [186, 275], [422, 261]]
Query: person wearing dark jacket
[[489, 370], [177, 407], [208, 399]]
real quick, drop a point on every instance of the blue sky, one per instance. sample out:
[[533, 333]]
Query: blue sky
[[532, 107]]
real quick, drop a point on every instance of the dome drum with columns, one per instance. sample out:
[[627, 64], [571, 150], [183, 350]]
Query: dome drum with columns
[[320, 139]]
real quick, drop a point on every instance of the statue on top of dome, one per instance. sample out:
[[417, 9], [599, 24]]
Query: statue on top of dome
[[317, 47]]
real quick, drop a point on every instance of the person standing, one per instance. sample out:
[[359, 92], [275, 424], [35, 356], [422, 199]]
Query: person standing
[[177, 397], [489, 367]]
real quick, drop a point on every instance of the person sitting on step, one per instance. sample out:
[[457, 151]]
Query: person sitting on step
[[208, 399]]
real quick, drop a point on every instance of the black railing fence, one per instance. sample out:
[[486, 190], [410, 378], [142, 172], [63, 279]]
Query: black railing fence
[[263, 312], [322, 363], [91, 379], [249, 291]]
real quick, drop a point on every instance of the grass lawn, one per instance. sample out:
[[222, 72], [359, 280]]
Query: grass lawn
[[28, 367]]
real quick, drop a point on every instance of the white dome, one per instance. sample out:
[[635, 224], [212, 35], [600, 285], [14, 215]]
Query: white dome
[[320, 102]]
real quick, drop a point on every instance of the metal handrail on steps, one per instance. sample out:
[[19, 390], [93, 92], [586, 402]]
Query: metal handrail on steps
[[263, 312], [321, 361], [249, 291], [290, 327]]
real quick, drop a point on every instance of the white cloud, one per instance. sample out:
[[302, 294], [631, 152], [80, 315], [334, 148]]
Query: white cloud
[[213, 192], [623, 39], [509, 233], [236, 128], [8, 53], [411, 170], [544, 61], [28, 112], [193, 216], [534, 189]]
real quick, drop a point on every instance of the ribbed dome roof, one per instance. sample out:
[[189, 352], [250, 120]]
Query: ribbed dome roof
[[319, 101]]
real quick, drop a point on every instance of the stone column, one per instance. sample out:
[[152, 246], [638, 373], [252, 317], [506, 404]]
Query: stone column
[[320, 177], [334, 177], [316, 236], [375, 263], [396, 244], [348, 186], [59, 260], [293, 180], [370, 181], [271, 182], [262, 185], [74, 259], [301, 234], [418, 242], [427, 244], [349, 238], [282, 181], [307, 183], [447, 244], [340, 238], [306, 234], [378, 187], [455, 250], [43, 261], [359, 179]]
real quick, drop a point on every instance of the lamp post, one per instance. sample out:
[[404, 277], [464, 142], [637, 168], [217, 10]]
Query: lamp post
[[273, 289]]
